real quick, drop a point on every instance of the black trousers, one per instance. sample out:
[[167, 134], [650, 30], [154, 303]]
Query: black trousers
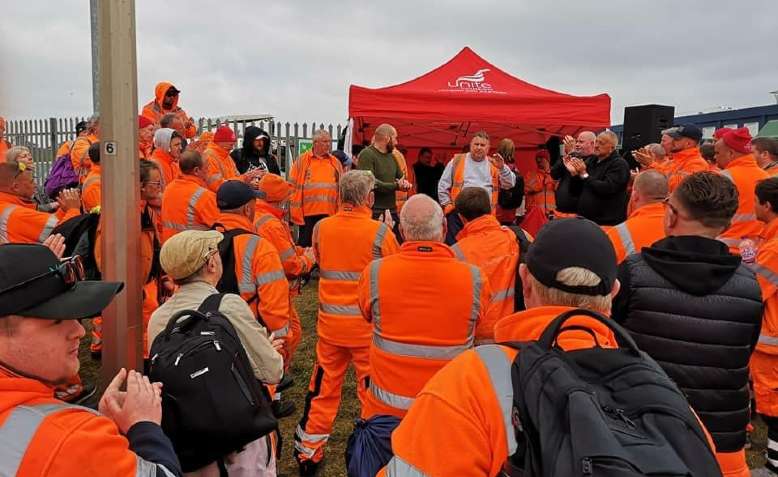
[[305, 237]]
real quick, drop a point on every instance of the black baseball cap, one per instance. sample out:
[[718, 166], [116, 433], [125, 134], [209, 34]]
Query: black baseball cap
[[685, 130], [172, 90], [575, 242], [80, 127], [33, 284], [234, 194]]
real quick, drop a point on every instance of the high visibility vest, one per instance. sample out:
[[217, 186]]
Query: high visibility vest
[[220, 166], [492, 248], [449, 299], [21, 223], [643, 227], [401, 196], [168, 168], [540, 190], [275, 231], [744, 172], [345, 244], [681, 165], [90, 190], [458, 180], [187, 205], [315, 181]]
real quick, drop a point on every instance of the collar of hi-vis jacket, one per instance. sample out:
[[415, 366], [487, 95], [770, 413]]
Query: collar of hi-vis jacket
[[218, 150], [530, 324], [684, 155], [14, 383], [354, 211], [651, 209], [264, 207], [234, 221], [746, 160], [485, 223], [194, 179], [7, 198], [426, 249]]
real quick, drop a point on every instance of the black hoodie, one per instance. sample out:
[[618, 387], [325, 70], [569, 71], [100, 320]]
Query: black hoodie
[[248, 158], [697, 310]]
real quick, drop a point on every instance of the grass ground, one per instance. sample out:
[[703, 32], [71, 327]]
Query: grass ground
[[334, 465]]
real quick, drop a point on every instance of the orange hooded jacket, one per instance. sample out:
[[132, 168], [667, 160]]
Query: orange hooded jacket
[[641, 229], [765, 357], [90, 190], [21, 223], [187, 205], [682, 164], [268, 225], [494, 249], [744, 172], [79, 155], [315, 181], [219, 165], [154, 111]]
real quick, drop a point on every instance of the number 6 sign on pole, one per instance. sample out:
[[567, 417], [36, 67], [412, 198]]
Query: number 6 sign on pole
[[109, 148]]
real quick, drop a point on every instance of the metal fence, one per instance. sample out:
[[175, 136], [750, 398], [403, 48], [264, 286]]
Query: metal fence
[[44, 136]]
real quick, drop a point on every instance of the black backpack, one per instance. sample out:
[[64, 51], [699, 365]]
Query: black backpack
[[524, 243], [513, 197], [600, 412], [212, 404]]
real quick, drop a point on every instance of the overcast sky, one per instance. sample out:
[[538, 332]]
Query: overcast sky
[[295, 59]]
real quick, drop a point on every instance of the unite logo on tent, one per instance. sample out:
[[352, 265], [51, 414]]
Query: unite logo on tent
[[474, 83]]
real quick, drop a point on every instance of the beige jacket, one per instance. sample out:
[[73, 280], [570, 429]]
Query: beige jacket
[[267, 363]]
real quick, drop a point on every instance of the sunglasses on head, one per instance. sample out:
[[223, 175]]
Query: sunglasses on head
[[70, 270]]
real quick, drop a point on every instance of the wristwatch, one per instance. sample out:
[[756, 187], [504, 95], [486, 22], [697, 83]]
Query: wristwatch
[[585, 175]]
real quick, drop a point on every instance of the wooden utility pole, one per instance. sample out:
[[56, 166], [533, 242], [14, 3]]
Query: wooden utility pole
[[122, 320], [94, 22]]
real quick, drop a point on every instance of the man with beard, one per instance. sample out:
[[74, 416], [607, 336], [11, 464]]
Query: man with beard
[[378, 158], [166, 101], [255, 153]]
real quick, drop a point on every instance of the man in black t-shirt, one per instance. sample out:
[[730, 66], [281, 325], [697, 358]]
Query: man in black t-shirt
[[427, 175]]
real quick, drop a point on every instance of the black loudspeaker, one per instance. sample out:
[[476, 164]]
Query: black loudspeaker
[[644, 124]]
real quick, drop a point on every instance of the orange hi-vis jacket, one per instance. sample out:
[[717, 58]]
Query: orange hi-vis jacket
[[187, 205], [41, 435], [168, 167], [461, 421], [90, 190], [79, 154], [682, 163], [315, 181], [261, 280], [458, 182], [766, 269], [21, 223], [64, 148], [484, 243], [220, 166], [401, 196], [344, 245], [425, 307], [744, 172], [269, 226], [5, 146], [641, 229], [154, 112], [539, 189]]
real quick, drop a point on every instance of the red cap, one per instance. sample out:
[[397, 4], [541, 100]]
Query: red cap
[[143, 122], [224, 134], [721, 132], [738, 140]]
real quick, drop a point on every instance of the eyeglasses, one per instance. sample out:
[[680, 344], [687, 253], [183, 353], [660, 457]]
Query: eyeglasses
[[153, 183], [70, 269]]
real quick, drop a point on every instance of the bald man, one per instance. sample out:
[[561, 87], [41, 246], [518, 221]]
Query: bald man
[[645, 224], [563, 171], [379, 159]]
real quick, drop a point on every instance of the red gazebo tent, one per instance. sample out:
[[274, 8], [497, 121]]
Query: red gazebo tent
[[443, 108]]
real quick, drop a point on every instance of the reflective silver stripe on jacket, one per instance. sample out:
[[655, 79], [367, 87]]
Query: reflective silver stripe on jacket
[[379, 240], [389, 398], [501, 295], [174, 226], [399, 468], [320, 185], [262, 221], [4, 222], [281, 332], [50, 224], [19, 428], [768, 340], [732, 242], [419, 350], [269, 277], [190, 208], [765, 272], [499, 368], [339, 275], [458, 252], [743, 217], [320, 198], [475, 276], [375, 306], [347, 310], [626, 238], [287, 254], [247, 283]]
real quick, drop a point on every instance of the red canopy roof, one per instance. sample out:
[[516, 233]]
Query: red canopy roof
[[443, 108]]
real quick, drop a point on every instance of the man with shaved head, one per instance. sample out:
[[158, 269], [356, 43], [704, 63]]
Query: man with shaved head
[[425, 307], [379, 159], [563, 171], [646, 215]]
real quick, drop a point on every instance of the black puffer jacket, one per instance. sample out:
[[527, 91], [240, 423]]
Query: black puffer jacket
[[604, 194], [248, 158], [695, 309], [568, 190]]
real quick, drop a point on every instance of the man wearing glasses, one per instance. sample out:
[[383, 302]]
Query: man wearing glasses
[[20, 222], [41, 307], [166, 101], [696, 309]]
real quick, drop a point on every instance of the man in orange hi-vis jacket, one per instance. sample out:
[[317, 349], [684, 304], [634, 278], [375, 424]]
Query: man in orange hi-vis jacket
[[344, 245], [166, 101], [186, 203]]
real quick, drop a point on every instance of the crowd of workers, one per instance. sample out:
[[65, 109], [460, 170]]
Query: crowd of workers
[[420, 272]]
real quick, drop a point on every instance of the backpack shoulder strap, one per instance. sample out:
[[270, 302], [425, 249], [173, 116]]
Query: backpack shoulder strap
[[229, 281], [211, 303]]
